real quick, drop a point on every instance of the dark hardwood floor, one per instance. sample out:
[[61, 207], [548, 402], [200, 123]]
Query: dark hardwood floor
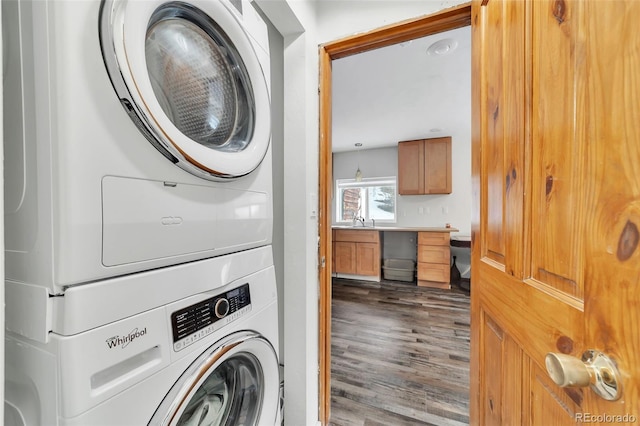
[[400, 355]]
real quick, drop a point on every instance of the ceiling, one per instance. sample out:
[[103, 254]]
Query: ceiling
[[401, 92]]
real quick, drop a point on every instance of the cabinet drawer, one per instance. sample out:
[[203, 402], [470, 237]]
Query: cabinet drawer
[[357, 236], [434, 272], [434, 254], [433, 238]]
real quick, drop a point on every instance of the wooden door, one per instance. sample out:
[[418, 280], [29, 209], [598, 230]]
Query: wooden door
[[556, 176]]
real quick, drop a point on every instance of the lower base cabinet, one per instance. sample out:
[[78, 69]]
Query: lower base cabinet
[[434, 256], [357, 253]]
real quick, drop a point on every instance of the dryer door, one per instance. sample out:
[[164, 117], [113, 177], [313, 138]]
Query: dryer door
[[236, 381], [188, 76]]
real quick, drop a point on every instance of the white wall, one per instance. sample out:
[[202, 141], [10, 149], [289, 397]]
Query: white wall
[[276, 49], [304, 28]]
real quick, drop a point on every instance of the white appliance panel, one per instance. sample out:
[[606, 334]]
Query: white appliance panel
[[100, 363], [145, 220]]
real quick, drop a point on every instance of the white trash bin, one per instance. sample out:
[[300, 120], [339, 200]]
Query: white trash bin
[[399, 269]]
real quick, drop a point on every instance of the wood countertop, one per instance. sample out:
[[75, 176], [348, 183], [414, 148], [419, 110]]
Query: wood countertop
[[395, 228]]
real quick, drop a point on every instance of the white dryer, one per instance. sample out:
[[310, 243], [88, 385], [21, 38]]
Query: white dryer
[[210, 358], [172, 166]]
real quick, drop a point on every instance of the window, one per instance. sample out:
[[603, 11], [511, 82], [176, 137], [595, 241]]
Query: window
[[373, 198]]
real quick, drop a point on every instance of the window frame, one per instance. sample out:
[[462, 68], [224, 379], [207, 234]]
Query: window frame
[[341, 184]]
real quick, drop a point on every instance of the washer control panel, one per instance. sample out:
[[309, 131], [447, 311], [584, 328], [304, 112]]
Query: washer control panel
[[197, 321]]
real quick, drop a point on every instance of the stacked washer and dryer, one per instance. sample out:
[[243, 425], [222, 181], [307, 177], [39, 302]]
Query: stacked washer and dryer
[[138, 192]]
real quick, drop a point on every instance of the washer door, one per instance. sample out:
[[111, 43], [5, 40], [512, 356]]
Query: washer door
[[235, 382], [187, 75]]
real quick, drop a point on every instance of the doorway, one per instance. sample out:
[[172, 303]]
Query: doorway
[[449, 19]]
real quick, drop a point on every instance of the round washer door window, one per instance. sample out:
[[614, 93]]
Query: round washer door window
[[193, 85], [232, 394], [235, 382]]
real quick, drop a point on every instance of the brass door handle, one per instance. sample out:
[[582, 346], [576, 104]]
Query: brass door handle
[[595, 369]]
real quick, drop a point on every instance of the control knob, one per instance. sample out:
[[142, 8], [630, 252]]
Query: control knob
[[221, 308]]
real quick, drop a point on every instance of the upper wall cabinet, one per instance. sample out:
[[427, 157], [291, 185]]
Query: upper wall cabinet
[[424, 166]]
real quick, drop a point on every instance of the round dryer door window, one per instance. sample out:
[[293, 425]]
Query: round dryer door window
[[192, 83], [235, 382]]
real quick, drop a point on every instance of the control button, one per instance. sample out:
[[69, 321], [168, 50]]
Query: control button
[[222, 308]]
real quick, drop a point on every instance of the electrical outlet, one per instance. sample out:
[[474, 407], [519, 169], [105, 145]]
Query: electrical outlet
[[445, 210]]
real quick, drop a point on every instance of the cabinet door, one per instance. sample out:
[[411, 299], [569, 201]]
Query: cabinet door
[[368, 259], [345, 255], [411, 168], [437, 166]]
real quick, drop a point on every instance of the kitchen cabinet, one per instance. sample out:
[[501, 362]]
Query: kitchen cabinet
[[424, 166], [434, 259], [357, 252]]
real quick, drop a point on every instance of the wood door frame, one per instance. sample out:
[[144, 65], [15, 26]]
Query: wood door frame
[[444, 20]]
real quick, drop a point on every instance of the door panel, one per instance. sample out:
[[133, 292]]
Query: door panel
[[548, 404], [503, 358], [503, 90], [557, 220], [556, 154]]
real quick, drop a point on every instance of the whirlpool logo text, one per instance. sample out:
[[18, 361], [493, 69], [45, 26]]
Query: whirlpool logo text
[[123, 341]]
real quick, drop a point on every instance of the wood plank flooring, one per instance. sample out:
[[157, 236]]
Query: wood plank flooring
[[400, 355]]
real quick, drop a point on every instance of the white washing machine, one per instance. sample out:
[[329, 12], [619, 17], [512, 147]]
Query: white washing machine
[[209, 358], [137, 136]]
